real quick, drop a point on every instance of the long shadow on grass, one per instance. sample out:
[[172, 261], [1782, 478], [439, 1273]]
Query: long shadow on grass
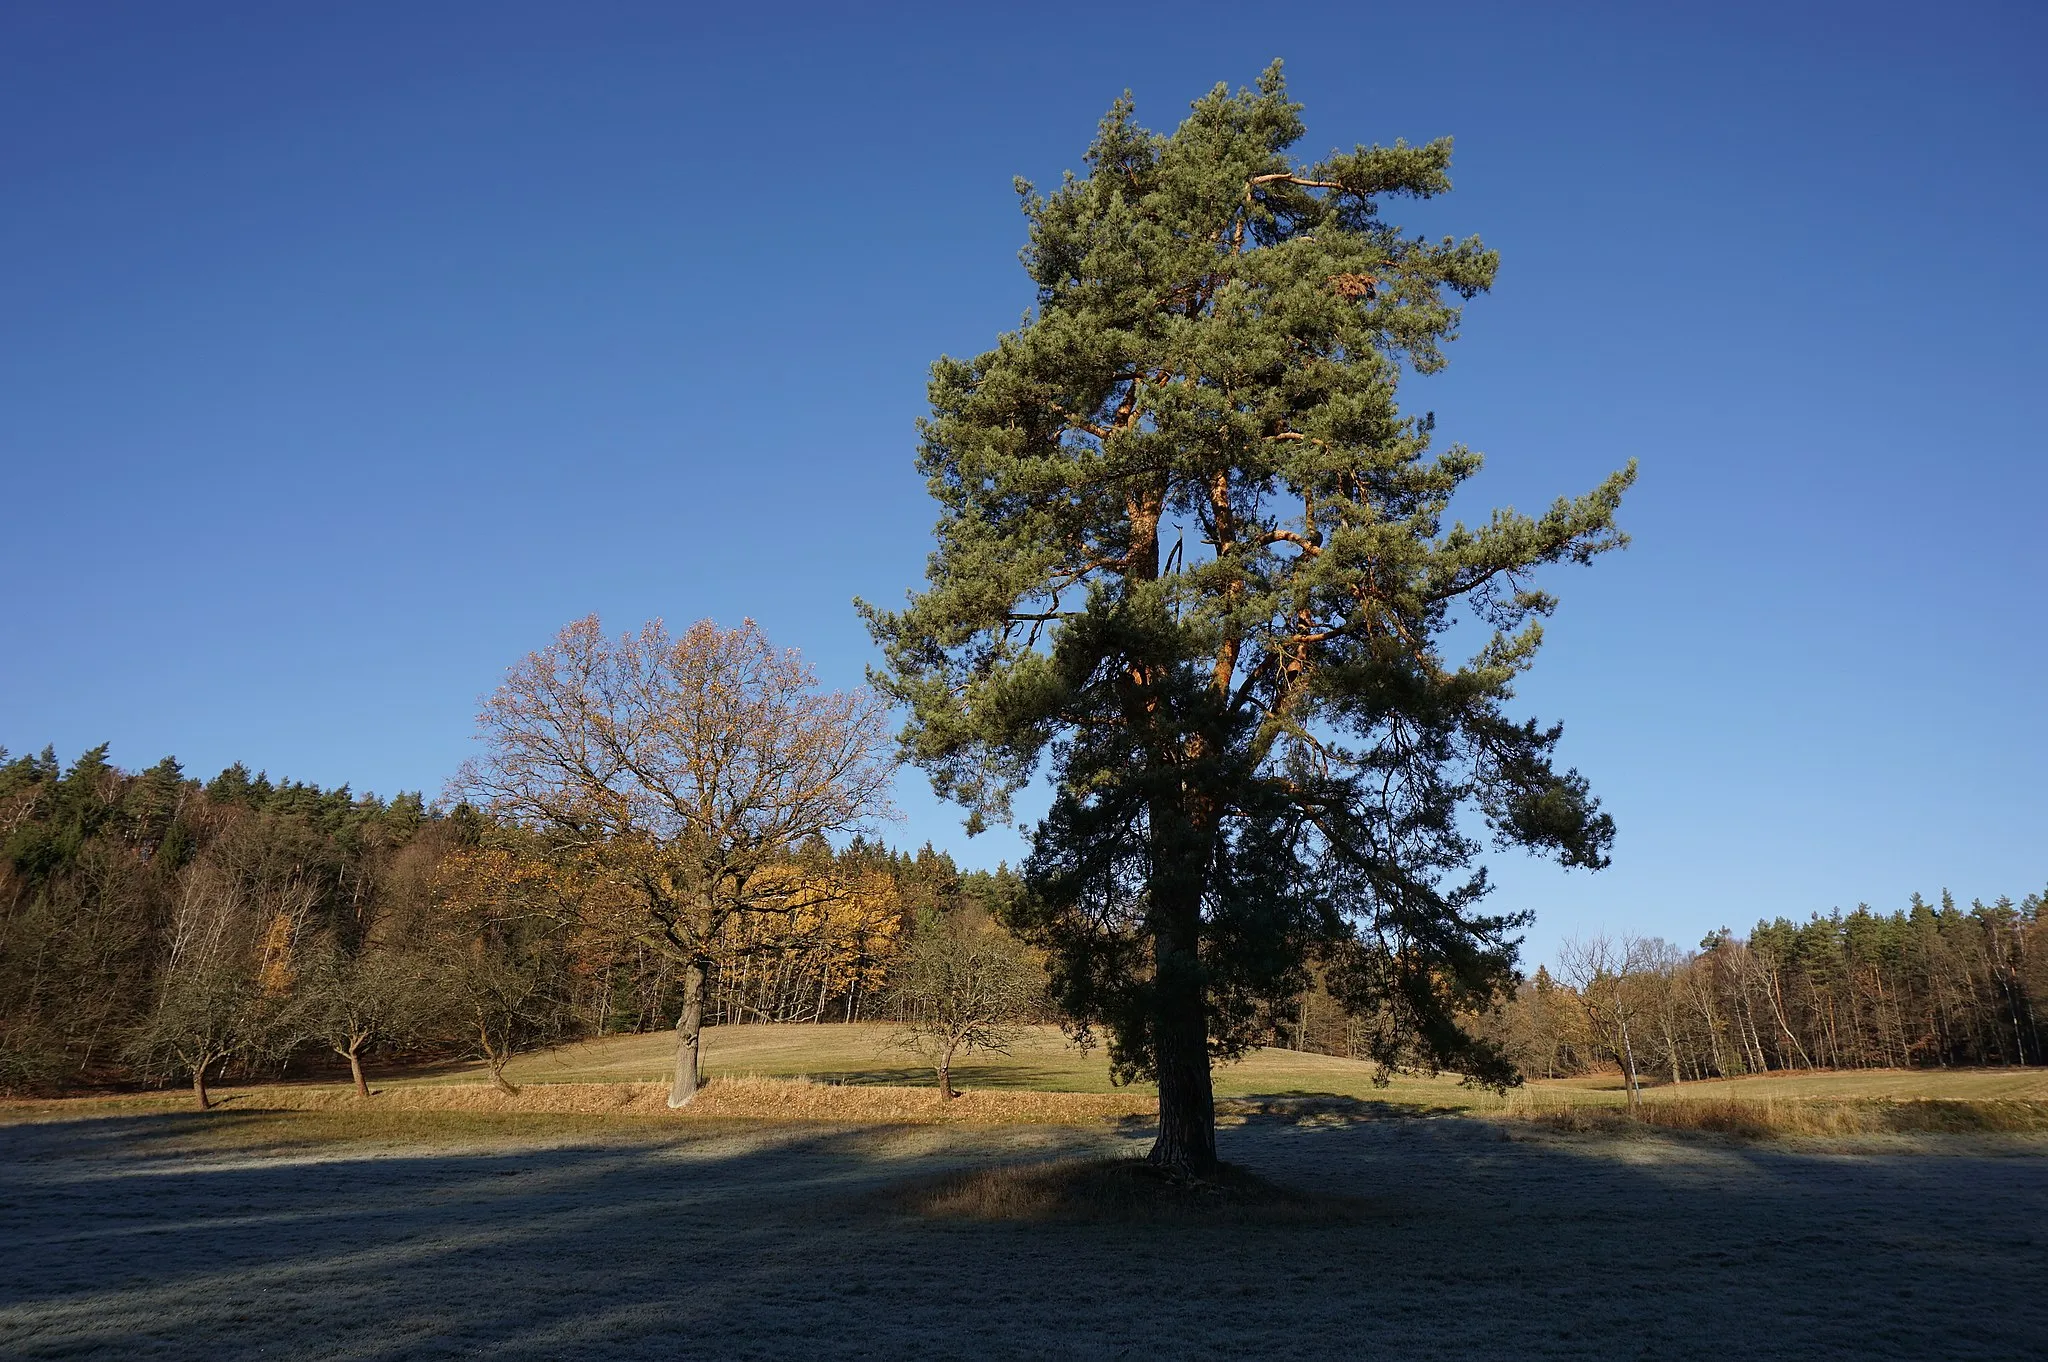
[[752, 1240], [1004, 1077], [1301, 1108]]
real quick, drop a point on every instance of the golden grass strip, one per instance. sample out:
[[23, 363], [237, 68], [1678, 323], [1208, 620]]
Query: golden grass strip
[[771, 1099], [1770, 1118]]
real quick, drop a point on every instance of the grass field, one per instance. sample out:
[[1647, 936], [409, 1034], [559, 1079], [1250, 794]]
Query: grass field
[[1042, 1060], [813, 1203], [455, 1234], [857, 1073]]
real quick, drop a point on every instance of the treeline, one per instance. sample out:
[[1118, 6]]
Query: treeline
[[1925, 986], [1922, 987], [155, 928]]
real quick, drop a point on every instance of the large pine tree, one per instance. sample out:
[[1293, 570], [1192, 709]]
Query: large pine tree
[[1192, 553]]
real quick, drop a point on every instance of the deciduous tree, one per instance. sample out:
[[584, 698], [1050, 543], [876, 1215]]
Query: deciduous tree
[[1614, 982], [682, 773], [352, 1002], [496, 958], [962, 986]]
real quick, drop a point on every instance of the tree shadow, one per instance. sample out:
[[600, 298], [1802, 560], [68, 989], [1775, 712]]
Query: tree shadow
[[997, 1077], [763, 1240], [1318, 1109]]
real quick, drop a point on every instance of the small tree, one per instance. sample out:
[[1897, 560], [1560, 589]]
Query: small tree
[[496, 960], [209, 1010], [1606, 976], [504, 999], [352, 1003], [681, 774], [226, 986], [963, 987]]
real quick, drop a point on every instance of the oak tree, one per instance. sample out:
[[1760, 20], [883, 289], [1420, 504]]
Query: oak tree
[[1192, 553], [682, 774]]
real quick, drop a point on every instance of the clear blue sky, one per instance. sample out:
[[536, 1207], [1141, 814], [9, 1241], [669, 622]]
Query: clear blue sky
[[348, 351]]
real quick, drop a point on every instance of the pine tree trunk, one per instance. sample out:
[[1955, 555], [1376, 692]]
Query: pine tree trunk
[[689, 1036], [1180, 1039]]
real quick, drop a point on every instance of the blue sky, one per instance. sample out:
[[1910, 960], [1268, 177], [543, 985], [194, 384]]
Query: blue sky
[[346, 353]]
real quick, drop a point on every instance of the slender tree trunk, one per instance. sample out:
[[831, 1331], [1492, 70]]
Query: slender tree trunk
[[946, 1093], [1628, 1054], [689, 1036], [355, 1067], [199, 1087]]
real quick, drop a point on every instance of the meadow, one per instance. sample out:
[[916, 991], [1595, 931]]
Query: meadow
[[441, 1218], [860, 1072]]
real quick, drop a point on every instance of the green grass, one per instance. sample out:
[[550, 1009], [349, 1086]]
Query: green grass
[[1042, 1060], [871, 1079]]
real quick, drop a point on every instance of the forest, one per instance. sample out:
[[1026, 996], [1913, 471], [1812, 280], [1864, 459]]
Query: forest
[[156, 929], [1923, 986]]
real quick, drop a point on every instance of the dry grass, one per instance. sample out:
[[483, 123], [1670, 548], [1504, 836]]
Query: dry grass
[[1042, 1059], [723, 1099], [1121, 1190], [784, 1099], [1772, 1118], [2012, 1084], [851, 1074]]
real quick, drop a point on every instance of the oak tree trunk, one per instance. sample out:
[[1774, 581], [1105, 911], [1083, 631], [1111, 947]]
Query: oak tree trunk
[[689, 1036]]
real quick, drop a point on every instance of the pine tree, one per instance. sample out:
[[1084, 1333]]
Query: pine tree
[[1191, 552]]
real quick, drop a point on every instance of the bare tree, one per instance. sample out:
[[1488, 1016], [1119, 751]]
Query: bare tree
[[1658, 980], [497, 958], [963, 986], [351, 1003], [1604, 974], [683, 772], [209, 1010], [500, 998], [225, 987]]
